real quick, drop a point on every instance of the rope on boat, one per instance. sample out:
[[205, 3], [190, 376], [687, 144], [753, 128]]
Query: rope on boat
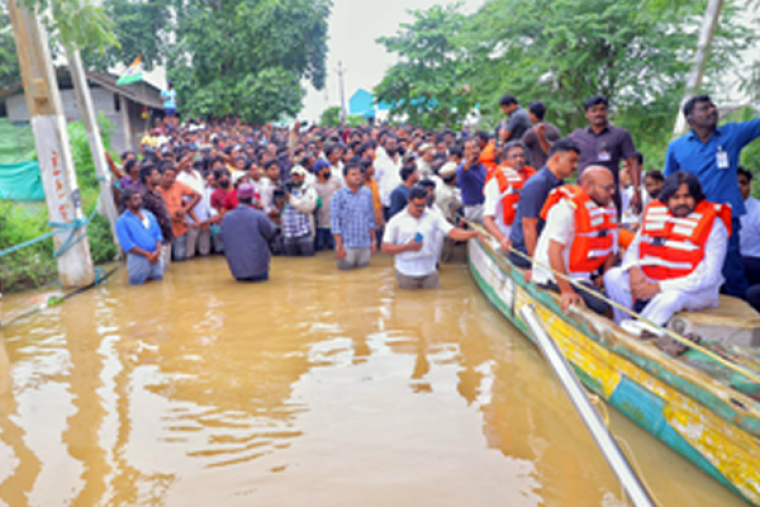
[[675, 336]]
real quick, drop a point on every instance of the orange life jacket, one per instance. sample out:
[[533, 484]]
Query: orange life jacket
[[673, 247], [488, 157], [506, 177], [594, 240]]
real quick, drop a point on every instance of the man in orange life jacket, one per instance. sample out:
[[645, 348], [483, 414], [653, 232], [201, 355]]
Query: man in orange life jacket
[[676, 258], [579, 238], [502, 191]]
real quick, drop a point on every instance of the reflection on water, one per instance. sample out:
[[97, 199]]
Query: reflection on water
[[319, 388]]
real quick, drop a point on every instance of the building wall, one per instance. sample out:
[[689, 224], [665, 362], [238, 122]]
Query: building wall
[[104, 101]]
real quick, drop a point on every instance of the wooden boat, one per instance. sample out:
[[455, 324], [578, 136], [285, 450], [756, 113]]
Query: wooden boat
[[702, 409]]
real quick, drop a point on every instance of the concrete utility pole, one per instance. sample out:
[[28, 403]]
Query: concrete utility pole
[[341, 73], [52, 142], [694, 81], [87, 111]]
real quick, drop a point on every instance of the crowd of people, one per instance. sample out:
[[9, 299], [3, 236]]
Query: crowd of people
[[691, 231]]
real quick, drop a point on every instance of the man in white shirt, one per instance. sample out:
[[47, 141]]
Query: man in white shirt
[[387, 171], [579, 238], [411, 237], [675, 261], [749, 241]]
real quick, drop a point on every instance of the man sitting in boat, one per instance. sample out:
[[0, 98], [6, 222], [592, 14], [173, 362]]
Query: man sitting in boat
[[676, 258], [502, 192], [579, 238]]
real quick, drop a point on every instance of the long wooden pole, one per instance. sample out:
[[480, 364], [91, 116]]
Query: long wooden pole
[[694, 81], [87, 112], [52, 142]]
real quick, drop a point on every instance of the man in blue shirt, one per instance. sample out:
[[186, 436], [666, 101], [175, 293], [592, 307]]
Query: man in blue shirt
[[711, 153], [562, 163], [471, 178], [140, 236], [169, 96]]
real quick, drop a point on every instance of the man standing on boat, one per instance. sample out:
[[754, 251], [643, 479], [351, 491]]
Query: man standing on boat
[[579, 239], [562, 163], [711, 153], [502, 193], [675, 260]]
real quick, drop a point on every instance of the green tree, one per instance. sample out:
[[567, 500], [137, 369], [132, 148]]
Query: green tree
[[428, 84], [9, 70], [636, 54], [330, 117], [239, 57]]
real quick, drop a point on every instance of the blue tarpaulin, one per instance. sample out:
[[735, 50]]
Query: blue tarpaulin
[[21, 181]]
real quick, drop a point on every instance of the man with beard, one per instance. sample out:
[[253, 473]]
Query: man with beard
[[326, 186], [711, 153], [152, 200], [140, 237], [675, 261], [579, 238], [605, 144], [387, 168]]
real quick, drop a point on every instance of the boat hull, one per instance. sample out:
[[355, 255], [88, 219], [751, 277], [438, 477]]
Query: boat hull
[[643, 383]]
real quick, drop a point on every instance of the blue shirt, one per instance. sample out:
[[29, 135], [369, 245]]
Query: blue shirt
[[170, 98], [132, 233], [352, 216], [471, 184], [532, 199], [691, 155], [399, 198], [246, 233]]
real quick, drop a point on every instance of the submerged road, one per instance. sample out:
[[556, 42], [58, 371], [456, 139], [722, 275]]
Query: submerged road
[[318, 388]]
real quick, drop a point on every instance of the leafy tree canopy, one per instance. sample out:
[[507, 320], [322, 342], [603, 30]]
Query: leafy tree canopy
[[243, 57], [428, 85], [636, 53]]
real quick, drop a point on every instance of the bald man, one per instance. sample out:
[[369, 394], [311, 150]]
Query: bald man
[[579, 239]]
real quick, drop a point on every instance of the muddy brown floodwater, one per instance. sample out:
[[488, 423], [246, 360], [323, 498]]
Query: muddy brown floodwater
[[319, 388]]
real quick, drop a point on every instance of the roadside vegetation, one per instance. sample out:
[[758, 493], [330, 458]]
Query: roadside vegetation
[[35, 265]]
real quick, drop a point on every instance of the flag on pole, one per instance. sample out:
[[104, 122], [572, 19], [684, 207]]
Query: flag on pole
[[134, 73]]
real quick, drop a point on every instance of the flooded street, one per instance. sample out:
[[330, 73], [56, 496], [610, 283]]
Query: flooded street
[[318, 388]]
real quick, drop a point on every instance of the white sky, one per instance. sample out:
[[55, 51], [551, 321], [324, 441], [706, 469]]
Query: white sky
[[353, 27]]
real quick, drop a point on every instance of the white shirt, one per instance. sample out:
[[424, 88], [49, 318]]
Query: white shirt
[[493, 207], [267, 195], [448, 200], [749, 239], [709, 272], [387, 176], [402, 229], [560, 227]]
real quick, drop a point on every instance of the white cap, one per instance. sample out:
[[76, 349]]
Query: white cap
[[448, 170]]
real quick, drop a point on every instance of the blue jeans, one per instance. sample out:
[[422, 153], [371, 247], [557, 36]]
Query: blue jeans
[[297, 247], [736, 283], [179, 248], [324, 239], [140, 269]]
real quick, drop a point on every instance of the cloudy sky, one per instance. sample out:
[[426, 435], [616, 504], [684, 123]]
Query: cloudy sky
[[354, 26]]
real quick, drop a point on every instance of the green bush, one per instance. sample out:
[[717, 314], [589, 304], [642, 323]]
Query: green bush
[[35, 265]]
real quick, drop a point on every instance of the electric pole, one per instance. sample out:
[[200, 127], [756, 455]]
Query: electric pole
[[52, 142], [694, 81], [341, 73], [87, 111]]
